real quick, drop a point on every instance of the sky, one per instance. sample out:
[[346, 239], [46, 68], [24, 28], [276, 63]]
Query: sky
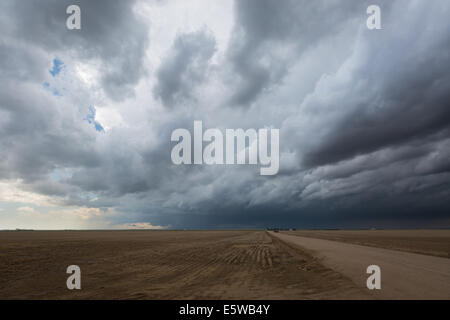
[[86, 115]]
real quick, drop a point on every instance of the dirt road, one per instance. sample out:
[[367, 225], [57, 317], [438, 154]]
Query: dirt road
[[404, 275]]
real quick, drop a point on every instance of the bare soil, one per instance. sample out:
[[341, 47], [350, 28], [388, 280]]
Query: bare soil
[[164, 265]]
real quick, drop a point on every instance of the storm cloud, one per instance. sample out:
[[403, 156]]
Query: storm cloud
[[86, 115]]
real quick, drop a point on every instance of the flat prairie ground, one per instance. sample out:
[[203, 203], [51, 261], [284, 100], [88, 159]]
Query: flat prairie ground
[[173, 265], [162, 265]]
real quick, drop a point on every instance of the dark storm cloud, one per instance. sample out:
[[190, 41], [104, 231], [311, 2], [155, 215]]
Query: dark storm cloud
[[406, 97], [264, 26], [385, 139], [363, 115], [185, 66], [15, 62], [110, 32], [41, 132], [35, 140]]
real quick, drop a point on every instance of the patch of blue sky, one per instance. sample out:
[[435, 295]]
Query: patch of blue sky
[[90, 117], [89, 196], [60, 174], [55, 176], [58, 65], [54, 91]]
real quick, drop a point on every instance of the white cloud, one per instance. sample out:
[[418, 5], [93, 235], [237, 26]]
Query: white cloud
[[139, 225], [27, 210], [13, 191]]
